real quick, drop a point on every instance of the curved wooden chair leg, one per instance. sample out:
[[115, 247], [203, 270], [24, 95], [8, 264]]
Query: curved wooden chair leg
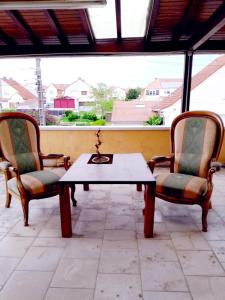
[[73, 188], [139, 187], [25, 207], [210, 205], [8, 200], [205, 208]]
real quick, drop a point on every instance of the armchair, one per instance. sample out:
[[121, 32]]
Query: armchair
[[23, 163], [196, 139]]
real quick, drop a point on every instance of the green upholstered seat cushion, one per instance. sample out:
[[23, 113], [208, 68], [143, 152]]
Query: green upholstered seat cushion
[[38, 183], [181, 185]]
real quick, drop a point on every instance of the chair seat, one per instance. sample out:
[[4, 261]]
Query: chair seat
[[181, 185], [38, 182]]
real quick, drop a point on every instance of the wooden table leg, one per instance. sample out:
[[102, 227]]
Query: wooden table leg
[[139, 187], [149, 210], [86, 187], [65, 210]]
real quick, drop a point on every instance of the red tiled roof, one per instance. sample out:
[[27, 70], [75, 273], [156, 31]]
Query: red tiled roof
[[196, 80], [132, 111], [22, 91], [60, 86]]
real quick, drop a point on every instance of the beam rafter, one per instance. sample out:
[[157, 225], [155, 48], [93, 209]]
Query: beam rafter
[[118, 19], [210, 27], [87, 25], [6, 38], [19, 21], [151, 20], [53, 21], [183, 23]]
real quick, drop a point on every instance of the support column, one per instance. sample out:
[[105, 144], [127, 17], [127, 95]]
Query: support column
[[185, 105]]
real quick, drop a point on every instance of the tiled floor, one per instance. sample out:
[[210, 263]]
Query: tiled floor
[[108, 258]]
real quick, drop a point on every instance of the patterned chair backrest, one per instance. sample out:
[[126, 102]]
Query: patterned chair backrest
[[19, 144], [194, 142]]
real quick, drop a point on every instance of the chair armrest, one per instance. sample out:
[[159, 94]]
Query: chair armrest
[[19, 181], [159, 159], [211, 171], [4, 165], [51, 156]]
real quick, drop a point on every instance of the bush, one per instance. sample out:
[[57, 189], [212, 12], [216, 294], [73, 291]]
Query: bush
[[89, 116], [98, 123], [50, 120], [155, 120], [72, 116]]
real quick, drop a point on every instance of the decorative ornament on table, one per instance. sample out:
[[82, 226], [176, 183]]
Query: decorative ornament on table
[[99, 158]]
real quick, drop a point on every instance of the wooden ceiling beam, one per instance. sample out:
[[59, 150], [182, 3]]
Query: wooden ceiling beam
[[151, 20], [193, 5], [19, 21], [87, 25], [118, 19], [6, 38], [53, 21], [209, 28]]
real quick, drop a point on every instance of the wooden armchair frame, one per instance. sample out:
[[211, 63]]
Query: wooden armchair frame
[[10, 171], [204, 202]]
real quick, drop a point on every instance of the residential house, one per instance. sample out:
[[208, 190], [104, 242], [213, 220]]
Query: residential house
[[54, 91], [131, 112], [206, 92], [160, 87], [118, 93], [81, 92], [13, 95]]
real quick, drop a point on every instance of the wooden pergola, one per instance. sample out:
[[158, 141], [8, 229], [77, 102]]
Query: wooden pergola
[[172, 26]]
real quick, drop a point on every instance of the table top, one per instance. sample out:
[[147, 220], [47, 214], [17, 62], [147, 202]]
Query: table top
[[125, 169]]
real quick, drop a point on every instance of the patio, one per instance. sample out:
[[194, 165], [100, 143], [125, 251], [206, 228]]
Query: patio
[[108, 257]]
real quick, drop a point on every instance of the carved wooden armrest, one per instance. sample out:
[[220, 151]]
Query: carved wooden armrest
[[159, 159], [19, 181], [211, 171]]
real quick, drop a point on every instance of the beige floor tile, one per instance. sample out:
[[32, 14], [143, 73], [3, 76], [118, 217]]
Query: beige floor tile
[[83, 248], [162, 276], [92, 215], [156, 250], [166, 296], [174, 210], [7, 266], [121, 261], [120, 210], [40, 259], [118, 286], [180, 224], [215, 232], [26, 285], [189, 241], [50, 242], [89, 229], [31, 231], [121, 244], [120, 222], [160, 231], [69, 294], [207, 288], [200, 263], [117, 235], [76, 273], [14, 246], [219, 249]]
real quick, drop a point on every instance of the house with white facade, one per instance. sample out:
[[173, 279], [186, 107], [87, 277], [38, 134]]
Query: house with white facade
[[81, 92], [13, 95], [207, 92], [53, 91], [159, 88]]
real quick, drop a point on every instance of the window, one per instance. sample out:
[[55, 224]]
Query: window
[[157, 92], [147, 92], [83, 92]]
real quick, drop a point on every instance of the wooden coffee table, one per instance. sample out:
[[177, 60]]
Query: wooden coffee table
[[125, 169]]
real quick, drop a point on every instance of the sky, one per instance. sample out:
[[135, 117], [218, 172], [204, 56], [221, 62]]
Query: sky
[[123, 71]]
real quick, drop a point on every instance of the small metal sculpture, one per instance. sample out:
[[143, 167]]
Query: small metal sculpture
[[99, 158]]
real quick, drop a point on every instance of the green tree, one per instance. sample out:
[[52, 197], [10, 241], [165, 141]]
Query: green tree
[[103, 99], [133, 94]]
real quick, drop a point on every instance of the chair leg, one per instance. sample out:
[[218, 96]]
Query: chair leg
[[25, 207], [86, 187], [8, 200], [205, 208], [139, 187], [73, 188], [210, 205]]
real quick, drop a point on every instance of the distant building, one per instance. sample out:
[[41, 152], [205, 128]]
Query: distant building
[[118, 93], [159, 88], [13, 95], [131, 112], [54, 91], [64, 103], [81, 91], [207, 92]]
